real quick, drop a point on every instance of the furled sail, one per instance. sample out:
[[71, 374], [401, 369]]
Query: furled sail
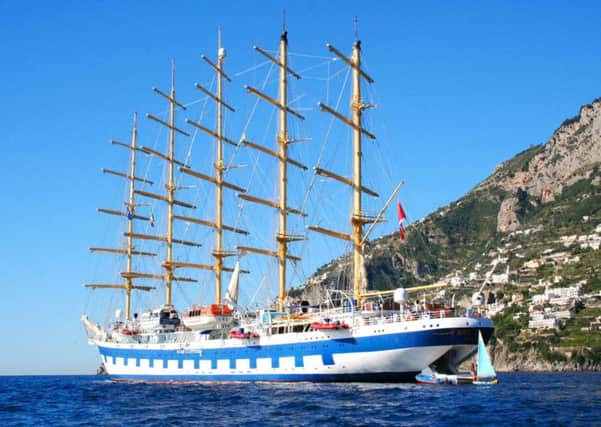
[[363, 277], [231, 296]]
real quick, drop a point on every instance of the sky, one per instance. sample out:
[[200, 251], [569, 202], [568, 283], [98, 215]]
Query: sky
[[459, 87]]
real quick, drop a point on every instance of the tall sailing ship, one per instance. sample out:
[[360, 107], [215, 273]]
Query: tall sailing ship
[[349, 339]]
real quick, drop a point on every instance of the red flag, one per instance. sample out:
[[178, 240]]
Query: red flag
[[401, 212], [402, 217]]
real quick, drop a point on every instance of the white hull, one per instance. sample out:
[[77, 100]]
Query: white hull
[[388, 351]]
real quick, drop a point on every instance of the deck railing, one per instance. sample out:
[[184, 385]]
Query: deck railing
[[341, 314]]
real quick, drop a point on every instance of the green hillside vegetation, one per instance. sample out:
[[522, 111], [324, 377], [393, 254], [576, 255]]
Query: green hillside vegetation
[[462, 238]]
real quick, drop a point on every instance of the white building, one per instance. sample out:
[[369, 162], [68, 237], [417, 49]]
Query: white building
[[540, 299], [499, 279], [563, 314], [540, 320], [543, 324], [533, 264], [570, 291], [561, 300], [569, 240], [592, 241]]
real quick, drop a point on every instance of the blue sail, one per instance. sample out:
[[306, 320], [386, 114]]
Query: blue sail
[[485, 368]]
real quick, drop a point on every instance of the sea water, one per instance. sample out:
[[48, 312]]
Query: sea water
[[521, 399]]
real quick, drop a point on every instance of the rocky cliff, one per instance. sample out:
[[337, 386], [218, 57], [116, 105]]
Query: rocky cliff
[[571, 154]]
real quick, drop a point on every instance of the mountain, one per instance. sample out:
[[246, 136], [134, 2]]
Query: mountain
[[539, 216]]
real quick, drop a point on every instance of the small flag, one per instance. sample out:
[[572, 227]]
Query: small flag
[[401, 212], [402, 216], [151, 219], [129, 214]]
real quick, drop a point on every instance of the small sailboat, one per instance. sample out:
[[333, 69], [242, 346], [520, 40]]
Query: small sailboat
[[485, 372], [482, 373]]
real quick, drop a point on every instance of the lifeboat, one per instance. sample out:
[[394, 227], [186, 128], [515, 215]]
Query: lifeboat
[[127, 331], [208, 317], [327, 325], [211, 310], [241, 334], [217, 310]]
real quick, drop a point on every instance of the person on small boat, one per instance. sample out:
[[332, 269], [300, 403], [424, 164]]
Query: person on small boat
[[473, 371]]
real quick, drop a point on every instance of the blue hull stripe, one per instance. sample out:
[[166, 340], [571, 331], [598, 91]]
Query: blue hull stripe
[[372, 377], [325, 348]]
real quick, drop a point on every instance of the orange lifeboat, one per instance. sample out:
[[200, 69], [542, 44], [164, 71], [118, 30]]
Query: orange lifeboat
[[217, 310], [327, 325], [210, 310], [241, 334]]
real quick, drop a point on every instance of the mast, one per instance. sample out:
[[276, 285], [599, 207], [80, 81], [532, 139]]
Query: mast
[[357, 224], [170, 191], [130, 223], [218, 179], [358, 217], [282, 237], [169, 265], [219, 175], [283, 150], [131, 215]]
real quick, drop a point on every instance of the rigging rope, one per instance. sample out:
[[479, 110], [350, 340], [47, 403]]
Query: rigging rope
[[253, 68], [244, 130], [256, 173]]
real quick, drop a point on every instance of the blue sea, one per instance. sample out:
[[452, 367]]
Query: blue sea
[[521, 399]]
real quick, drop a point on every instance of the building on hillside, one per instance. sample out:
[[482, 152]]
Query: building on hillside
[[574, 260], [570, 291], [561, 300], [549, 318], [533, 264], [558, 296], [540, 299], [499, 279], [568, 241], [592, 241], [563, 314], [517, 298], [541, 321]]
